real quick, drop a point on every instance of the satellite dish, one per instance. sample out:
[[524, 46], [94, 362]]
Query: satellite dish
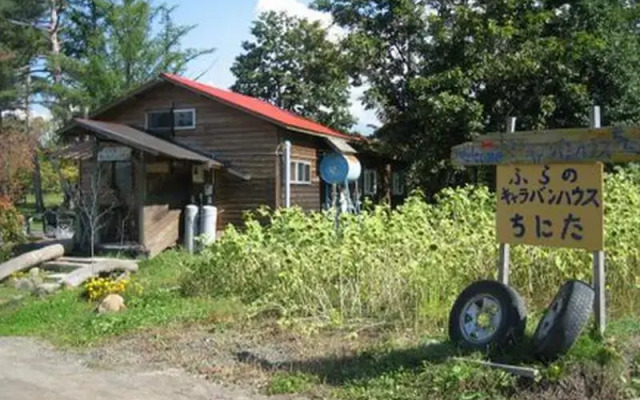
[[337, 168]]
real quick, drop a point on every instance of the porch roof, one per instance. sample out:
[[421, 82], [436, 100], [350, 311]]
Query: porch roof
[[144, 141]]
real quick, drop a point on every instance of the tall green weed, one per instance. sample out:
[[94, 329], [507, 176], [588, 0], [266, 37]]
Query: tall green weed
[[406, 265]]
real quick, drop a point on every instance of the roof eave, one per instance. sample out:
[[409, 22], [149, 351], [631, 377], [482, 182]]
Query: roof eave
[[255, 114]]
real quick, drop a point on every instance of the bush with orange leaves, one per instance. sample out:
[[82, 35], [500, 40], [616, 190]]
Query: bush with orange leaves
[[11, 221], [16, 160]]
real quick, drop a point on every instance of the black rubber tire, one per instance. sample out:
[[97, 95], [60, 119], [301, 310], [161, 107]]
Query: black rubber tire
[[512, 324], [574, 301]]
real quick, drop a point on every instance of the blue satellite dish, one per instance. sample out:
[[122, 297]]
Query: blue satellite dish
[[337, 168]]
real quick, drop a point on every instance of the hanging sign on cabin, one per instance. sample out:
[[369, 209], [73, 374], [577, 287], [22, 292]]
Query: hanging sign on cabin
[[557, 205], [197, 174], [160, 167], [114, 153]]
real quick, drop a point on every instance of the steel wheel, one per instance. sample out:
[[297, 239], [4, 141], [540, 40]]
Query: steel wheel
[[487, 315], [550, 316], [480, 318], [563, 321]]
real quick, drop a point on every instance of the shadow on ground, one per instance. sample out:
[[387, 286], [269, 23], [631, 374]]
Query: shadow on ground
[[371, 363]]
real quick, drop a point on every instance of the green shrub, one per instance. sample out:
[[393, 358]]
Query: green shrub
[[11, 222], [408, 264]]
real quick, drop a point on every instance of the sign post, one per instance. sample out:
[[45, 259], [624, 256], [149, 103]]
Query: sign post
[[550, 188], [503, 260], [599, 286]]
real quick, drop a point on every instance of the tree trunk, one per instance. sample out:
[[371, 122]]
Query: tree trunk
[[37, 174], [37, 183], [55, 42]]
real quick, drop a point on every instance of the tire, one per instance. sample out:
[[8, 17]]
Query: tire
[[503, 325], [563, 321]]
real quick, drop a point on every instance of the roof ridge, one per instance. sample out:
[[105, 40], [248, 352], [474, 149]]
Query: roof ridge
[[268, 111]]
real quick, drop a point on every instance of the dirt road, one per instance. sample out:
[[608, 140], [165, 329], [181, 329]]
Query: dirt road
[[32, 371]]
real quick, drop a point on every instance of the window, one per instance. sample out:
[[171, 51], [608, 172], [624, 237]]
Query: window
[[397, 183], [300, 172], [182, 119], [370, 181]]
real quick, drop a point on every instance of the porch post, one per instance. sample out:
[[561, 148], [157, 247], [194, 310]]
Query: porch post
[[140, 180]]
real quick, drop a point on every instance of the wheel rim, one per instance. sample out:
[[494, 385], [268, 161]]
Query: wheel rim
[[549, 318], [481, 318]]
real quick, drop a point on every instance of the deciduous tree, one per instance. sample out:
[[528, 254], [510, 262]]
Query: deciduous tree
[[291, 63], [441, 71]]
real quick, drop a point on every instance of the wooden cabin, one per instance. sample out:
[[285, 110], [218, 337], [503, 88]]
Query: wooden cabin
[[175, 141]]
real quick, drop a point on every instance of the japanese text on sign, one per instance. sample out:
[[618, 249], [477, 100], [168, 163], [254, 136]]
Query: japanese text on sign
[[551, 205]]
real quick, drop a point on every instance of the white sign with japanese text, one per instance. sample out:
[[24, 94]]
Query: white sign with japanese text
[[114, 153]]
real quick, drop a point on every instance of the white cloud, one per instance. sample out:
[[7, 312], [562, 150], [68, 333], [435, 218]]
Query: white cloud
[[365, 117], [301, 10], [36, 111]]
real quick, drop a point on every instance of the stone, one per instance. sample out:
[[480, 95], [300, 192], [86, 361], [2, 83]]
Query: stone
[[44, 289], [34, 272], [24, 284], [112, 303]]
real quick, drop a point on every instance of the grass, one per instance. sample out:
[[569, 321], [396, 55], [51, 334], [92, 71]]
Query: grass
[[594, 368], [28, 208], [68, 320], [388, 366]]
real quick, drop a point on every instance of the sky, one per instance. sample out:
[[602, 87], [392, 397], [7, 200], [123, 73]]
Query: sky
[[225, 24]]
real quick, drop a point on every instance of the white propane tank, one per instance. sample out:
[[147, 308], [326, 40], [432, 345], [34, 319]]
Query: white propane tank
[[190, 226], [208, 220]]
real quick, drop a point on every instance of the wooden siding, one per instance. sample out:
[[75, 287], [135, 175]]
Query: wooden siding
[[304, 148], [241, 141], [161, 227]]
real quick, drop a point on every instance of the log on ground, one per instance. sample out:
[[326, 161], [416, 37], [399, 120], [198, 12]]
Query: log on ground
[[30, 259], [81, 275]]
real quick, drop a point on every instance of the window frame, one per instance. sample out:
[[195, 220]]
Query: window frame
[[397, 183], [368, 174], [294, 178], [177, 128]]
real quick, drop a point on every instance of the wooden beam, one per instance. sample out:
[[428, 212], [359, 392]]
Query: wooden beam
[[561, 145]]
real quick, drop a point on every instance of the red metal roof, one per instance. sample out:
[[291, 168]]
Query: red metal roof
[[257, 106]]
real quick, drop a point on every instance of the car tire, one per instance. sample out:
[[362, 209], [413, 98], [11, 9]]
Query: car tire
[[564, 320], [487, 314]]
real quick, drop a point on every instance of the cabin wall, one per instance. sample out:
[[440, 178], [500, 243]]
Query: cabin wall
[[167, 192], [243, 142], [304, 148]]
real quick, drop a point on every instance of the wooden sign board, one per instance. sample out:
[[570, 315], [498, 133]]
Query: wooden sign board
[[559, 205], [553, 146], [114, 153], [161, 167]]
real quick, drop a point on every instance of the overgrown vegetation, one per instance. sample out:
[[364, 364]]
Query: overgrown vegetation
[[405, 265]]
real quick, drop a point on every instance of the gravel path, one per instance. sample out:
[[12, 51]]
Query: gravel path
[[32, 371]]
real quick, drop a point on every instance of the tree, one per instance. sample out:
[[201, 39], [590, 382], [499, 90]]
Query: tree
[[441, 71], [19, 48], [116, 45], [292, 64], [16, 159]]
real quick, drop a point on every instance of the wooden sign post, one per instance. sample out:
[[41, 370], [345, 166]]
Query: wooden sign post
[[550, 189]]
